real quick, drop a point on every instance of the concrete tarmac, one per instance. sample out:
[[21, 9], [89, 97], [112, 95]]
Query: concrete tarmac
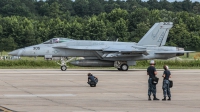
[[52, 90]]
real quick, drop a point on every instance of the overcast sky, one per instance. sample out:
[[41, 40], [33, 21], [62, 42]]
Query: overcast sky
[[159, 0], [167, 0], [177, 0]]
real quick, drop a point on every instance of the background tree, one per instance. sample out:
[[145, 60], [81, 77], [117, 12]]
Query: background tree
[[76, 30], [164, 4], [187, 5], [196, 7], [95, 7], [153, 4], [121, 30], [95, 30], [110, 5], [28, 22], [81, 7], [116, 14]]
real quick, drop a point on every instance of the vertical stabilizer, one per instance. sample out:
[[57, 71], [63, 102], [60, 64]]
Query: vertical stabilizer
[[157, 35]]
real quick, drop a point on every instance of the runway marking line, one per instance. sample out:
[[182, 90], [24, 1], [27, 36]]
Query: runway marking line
[[38, 95], [3, 109]]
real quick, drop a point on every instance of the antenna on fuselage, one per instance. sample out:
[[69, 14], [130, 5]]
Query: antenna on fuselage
[[117, 40], [107, 39]]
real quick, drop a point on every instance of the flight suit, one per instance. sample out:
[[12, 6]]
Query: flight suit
[[92, 81], [166, 89], [151, 87]]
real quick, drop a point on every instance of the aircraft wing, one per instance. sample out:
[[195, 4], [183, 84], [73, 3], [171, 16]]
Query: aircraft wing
[[123, 49], [112, 48], [111, 51], [123, 54], [81, 47], [126, 49]]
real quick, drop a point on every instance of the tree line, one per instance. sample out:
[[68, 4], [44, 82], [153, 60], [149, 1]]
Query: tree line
[[81, 8], [29, 22]]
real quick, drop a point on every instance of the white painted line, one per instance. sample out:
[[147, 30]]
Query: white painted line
[[38, 95]]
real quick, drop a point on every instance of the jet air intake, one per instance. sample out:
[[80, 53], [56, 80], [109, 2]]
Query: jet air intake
[[92, 63]]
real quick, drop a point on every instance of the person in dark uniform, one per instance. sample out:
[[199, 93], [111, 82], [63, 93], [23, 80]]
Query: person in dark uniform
[[92, 80], [151, 71], [166, 89]]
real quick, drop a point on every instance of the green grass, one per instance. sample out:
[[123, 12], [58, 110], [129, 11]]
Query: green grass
[[44, 64], [191, 55], [173, 64], [40, 63]]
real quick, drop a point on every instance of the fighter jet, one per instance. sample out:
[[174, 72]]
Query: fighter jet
[[116, 54]]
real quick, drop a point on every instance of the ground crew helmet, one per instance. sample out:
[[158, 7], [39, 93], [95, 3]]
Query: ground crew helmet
[[165, 67], [152, 62]]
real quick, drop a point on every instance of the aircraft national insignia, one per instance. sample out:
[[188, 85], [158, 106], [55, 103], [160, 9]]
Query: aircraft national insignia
[[55, 51], [36, 48]]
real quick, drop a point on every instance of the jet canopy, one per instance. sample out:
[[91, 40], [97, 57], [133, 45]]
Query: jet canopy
[[57, 40]]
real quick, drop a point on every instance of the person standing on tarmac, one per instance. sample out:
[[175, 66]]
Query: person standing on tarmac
[[166, 89], [151, 71]]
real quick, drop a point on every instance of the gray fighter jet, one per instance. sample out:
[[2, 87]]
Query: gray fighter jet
[[107, 53]]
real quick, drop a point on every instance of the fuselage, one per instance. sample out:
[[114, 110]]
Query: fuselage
[[55, 50], [121, 55]]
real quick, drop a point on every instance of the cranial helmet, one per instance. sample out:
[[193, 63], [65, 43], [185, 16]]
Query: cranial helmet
[[165, 67], [152, 62]]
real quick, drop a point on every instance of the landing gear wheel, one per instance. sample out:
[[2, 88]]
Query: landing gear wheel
[[119, 69], [124, 67], [63, 68]]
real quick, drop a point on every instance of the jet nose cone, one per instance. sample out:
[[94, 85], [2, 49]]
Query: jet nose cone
[[15, 52]]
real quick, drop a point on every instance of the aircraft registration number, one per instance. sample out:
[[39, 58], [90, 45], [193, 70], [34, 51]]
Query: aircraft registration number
[[36, 48]]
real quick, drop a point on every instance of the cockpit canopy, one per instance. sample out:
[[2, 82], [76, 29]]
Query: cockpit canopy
[[57, 40]]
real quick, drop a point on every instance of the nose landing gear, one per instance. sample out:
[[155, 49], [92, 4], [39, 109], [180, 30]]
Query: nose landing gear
[[63, 67], [63, 63]]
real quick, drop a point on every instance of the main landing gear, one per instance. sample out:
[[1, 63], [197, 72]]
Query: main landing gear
[[121, 65]]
